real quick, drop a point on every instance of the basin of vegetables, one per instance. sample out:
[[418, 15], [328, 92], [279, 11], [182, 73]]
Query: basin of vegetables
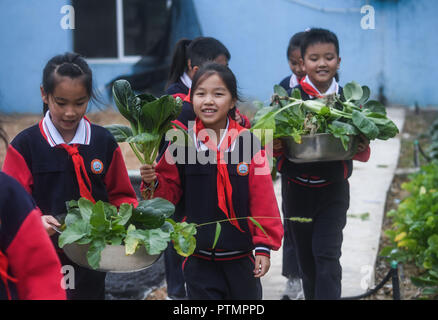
[[324, 129], [100, 237]]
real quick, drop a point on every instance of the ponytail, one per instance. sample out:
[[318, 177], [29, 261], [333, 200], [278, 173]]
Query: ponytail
[[179, 61]]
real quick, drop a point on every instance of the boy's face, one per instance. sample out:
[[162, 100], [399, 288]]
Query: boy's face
[[320, 64], [295, 63]]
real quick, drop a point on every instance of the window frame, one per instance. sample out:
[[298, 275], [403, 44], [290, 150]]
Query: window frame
[[121, 57]]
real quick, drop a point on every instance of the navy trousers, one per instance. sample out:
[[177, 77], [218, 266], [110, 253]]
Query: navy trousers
[[290, 267], [174, 274], [221, 280], [318, 243]]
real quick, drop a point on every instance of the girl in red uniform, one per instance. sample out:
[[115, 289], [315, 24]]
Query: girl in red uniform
[[236, 183], [65, 157]]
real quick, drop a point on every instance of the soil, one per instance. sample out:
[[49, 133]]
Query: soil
[[15, 123], [415, 125]]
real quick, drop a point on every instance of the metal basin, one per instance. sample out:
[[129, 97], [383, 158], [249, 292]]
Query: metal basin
[[319, 147], [113, 258]]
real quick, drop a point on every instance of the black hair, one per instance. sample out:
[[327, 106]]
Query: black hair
[[317, 35], [295, 43], [227, 76], [70, 65], [198, 51]]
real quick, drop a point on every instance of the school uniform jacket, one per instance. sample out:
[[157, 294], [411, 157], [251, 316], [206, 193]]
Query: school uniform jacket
[[318, 174], [46, 170], [27, 255], [194, 185], [289, 82]]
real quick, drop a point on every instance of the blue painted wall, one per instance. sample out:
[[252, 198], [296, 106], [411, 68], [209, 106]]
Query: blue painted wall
[[396, 54], [399, 54], [30, 34]]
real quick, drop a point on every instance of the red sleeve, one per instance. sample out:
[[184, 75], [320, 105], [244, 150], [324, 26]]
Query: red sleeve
[[15, 166], [363, 156], [34, 262], [169, 182], [117, 182], [263, 203]]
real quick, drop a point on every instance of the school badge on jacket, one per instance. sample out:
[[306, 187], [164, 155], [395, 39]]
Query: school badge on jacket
[[96, 166], [242, 169]]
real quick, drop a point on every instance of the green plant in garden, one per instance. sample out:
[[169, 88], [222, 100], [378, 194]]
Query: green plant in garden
[[149, 224], [290, 116], [149, 117], [433, 134], [414, 233]]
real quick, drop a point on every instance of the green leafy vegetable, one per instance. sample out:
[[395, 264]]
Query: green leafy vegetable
[[293, 117], [149, 224], [149, 117]]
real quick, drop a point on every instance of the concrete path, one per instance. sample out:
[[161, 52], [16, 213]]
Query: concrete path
[[369, 184]]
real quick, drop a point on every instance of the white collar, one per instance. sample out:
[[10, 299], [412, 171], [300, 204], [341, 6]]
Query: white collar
[[185, 79], [293, 81], [334, 87], [200, 146], [54, 138]]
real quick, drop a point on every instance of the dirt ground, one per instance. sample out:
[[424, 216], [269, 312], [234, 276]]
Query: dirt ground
[[15, 123]]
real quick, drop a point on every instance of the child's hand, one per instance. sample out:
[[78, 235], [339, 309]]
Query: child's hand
[[262, 265], [48, 222], [277, 145], [147, 173], [238, 118], [363, 144]]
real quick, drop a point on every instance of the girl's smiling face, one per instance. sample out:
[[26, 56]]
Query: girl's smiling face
[[211, 102], [67, 105], [321, 62]]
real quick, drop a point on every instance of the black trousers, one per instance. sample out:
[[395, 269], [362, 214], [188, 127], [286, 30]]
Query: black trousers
[[221, 280], [290, 267], [318, 243], [88, 284], [174, 274]]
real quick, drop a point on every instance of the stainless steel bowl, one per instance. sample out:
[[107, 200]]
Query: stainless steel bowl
[[113, 258], [319, 147]]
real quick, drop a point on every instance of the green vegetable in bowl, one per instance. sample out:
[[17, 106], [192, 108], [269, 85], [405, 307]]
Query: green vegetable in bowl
[[290, 116], [149, 224]]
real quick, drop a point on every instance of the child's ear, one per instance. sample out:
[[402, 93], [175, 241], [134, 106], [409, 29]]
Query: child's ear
[[339, 62], [191, 70], [44, 95]]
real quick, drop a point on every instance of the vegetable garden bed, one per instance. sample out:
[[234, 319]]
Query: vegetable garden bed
[[415, 125]]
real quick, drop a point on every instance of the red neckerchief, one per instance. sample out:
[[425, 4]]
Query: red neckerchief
[[78, 163], [187, 98], [80, 170], [224, 188], [4, 273], [307, 88]]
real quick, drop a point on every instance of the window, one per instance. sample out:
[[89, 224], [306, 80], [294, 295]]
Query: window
[[121, 30]]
